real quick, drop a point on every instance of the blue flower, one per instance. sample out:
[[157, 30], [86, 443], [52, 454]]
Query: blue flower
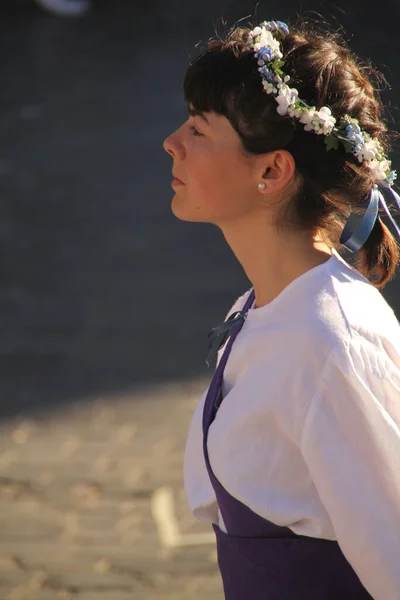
[[267, 74], [391, 177], [357, 139], [283, 27], [270, 25], [275, 25], [265, 54], [354, 134]]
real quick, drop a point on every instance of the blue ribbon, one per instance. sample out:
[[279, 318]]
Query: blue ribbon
[[358, 227], [220, 333], [391, 195]]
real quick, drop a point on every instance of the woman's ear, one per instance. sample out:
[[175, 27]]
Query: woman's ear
[[277, 171]]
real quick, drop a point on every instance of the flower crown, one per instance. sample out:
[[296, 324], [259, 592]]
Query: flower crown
[[345, 131]]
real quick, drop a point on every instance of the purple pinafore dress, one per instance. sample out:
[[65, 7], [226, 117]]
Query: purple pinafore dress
[[259, 560]]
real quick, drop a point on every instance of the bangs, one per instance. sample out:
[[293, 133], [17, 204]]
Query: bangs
[[217, 77]]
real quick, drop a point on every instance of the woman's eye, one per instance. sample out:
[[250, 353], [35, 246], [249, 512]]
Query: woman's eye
[[195, 131]]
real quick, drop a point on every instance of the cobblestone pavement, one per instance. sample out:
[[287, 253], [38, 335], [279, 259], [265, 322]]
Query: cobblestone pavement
[[106, 300], [92, 505]]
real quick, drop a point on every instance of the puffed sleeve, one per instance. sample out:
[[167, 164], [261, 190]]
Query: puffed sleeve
[[351, 444]]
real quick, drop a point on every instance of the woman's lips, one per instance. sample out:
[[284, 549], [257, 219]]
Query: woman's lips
[[177, 181]]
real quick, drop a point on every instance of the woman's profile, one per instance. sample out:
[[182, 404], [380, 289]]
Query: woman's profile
[[293, 453]]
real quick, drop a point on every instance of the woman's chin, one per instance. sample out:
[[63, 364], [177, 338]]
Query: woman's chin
[[181, 211]]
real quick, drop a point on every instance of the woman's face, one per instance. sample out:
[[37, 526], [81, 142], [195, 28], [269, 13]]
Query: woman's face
[[214, 181]]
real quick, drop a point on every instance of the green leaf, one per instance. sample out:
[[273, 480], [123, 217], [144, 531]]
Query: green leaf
[[277, 66], [347, 145], [331, 143]]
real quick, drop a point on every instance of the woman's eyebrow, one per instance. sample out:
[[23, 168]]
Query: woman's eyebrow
[[197, 113]]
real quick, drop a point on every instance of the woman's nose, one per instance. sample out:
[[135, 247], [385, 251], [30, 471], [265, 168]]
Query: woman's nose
[[168, 145], [173, 146]]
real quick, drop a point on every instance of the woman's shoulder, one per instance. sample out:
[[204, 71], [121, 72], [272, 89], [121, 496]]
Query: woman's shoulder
[[333, 307], [368, 321], [339, 306]]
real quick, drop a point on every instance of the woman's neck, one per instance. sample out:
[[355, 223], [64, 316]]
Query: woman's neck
[[272, 259]]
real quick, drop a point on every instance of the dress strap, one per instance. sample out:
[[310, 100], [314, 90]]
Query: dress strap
[[216, 383]]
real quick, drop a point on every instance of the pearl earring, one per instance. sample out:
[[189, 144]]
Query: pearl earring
[[261, 186]]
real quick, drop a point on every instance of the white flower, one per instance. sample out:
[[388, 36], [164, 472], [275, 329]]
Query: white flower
[[269, 87], [287, 97], [321, 121], [294, 112], [379, 169], [370, 150], [325, 120], [307, 116]]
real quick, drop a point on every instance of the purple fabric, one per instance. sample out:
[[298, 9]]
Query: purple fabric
[[259, 560]]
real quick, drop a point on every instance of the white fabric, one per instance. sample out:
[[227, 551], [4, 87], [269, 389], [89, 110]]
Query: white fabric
[[308, 433]]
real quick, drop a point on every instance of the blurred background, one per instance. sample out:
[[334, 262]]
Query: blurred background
[[105, 298]]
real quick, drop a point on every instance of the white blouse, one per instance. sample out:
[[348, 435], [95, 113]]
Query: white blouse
[[308, 433]]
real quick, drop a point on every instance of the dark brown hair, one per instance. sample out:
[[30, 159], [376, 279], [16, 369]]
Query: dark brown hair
[[224, 79]]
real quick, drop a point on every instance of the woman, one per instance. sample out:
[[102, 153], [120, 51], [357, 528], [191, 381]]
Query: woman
[[294, 451]]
